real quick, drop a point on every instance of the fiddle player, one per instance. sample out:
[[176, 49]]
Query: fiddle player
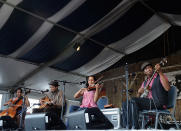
[[16, 103], [156, 98], [90, 95]]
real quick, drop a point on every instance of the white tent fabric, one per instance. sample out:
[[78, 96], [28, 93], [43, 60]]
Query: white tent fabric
[[106, 21], [6, 11], [148, 32], [13, 70], [47, 26], [39, 81], [176, 19], [24, 64]]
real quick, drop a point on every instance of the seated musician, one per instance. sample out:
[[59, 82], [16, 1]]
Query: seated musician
[[16, 104], [52, 102], [90, 95], [156, 98]]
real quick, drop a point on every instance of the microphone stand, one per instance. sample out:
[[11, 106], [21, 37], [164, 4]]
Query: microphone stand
[[63, 99], [36, 91], [126, 77], [22, 111], [63, 90], [127, 101]]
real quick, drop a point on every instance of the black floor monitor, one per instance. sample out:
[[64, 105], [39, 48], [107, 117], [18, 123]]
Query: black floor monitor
[[91, 118], [43, 121]]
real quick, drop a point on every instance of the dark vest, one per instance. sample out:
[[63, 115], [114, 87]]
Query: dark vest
[[160, 96]]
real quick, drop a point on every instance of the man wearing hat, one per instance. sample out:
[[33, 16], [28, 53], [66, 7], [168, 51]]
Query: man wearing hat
[[52, 105], [156, 98], [159, 80], [54, 102]]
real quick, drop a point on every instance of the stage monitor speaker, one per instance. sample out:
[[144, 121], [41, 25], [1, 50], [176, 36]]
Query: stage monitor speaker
[[91, 118], [36, 121], [7, 123], [43, 121]]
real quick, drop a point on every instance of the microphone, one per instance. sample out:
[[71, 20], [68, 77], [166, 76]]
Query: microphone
[[47, 90], [83, 82]]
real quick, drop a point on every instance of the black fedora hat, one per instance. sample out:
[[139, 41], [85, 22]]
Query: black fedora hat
[[54, 83]]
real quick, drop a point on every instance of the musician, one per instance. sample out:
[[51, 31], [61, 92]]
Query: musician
[[51, 104], [90, 95], [55, 97], [17, 102], [157, 97]]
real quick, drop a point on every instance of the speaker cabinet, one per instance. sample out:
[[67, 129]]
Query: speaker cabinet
[[36, 121], [43, 121], [7, 123], [90, 118]]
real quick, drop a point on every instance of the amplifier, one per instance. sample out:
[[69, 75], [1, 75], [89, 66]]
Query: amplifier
[[113, 115]]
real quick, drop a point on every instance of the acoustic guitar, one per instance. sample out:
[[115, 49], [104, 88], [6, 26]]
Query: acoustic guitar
[[12, 110], [45, 103], [146, 88]]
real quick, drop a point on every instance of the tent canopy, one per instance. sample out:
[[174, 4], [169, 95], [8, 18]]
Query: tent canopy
[[38, 38]]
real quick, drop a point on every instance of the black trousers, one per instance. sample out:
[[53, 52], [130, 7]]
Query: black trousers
[[134, 106]]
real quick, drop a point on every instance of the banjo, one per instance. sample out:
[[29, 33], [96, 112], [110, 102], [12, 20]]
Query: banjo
[[146, 88]]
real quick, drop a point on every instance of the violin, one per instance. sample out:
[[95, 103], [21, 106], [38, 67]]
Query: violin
[[90, 88], [93, 87]]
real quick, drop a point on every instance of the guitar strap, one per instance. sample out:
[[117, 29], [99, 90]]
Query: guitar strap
[[145, 82]]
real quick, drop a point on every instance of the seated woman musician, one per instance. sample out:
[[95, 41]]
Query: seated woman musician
[[15, 106], [90, 95]]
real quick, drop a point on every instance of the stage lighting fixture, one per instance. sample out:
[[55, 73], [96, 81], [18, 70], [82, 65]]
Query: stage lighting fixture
[[76, 46]]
